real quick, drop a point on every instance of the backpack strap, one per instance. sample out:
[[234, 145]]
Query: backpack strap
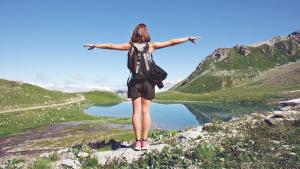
[[129, 78]]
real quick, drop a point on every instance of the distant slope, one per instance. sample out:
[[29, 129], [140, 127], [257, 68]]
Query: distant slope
[[288, 74], [15, 95], [230, 67]]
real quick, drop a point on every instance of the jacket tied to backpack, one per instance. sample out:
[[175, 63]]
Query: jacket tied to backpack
[[142, 66]]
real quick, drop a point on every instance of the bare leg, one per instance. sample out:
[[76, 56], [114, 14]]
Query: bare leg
[[146, 122], [136, 117]]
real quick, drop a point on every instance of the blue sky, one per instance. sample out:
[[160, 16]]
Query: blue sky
[[41, 41]]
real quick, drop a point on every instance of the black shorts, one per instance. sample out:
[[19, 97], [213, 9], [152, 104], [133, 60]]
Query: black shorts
[[141, 88]]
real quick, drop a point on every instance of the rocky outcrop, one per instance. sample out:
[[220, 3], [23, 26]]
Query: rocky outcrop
[[124, 153], [290, 46], [295, 36], [266, 49], [217, 55], [243, 50]]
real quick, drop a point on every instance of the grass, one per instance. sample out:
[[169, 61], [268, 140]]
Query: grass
[[202, 84], [41, 163], [16, 95], [235, 69], [257, 146], [243, 94], [17, 122], [102, 98]]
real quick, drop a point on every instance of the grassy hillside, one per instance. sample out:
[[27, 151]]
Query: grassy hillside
[[230, 67], [19, 95], [16, 95], [282, 82]]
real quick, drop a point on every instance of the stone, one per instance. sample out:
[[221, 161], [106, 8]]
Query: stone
[[128, 153], [67, 155], [67, 163], [83, 154], [44, 155], [65, 150], [191, 134], [220, 54], [244, 51], [293, 102]]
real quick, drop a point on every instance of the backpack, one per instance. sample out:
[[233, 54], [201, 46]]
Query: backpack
[[142, 66], [139, 60]]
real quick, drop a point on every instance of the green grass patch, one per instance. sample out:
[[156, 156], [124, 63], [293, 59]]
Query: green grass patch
[[102, 97], [244, 94], [41, 163], [16, 122]]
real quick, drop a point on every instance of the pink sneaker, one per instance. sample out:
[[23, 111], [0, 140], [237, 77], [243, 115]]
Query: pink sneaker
[[137, 145], [145, 145]]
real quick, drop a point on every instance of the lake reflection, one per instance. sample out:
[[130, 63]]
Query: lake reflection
[[180, 115]]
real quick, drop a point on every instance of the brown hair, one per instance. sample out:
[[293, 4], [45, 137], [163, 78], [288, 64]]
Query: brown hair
[[140, 34]]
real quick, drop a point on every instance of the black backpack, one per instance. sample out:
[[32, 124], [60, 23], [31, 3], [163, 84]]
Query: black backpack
[[139, 60], [142, 66]]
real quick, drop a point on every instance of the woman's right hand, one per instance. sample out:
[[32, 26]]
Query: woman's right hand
[[90, 46]]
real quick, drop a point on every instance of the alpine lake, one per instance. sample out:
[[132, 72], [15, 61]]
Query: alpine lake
[[181, 115]]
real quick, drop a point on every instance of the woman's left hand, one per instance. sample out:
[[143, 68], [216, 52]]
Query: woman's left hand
[[90, 46], [193, 39]]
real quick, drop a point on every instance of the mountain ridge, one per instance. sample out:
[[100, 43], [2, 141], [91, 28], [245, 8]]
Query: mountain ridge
[[228, 67]]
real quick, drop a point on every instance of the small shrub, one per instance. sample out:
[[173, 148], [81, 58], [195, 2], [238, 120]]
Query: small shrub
[[54, 157], [89, 162], [42, 164], [205, 152]]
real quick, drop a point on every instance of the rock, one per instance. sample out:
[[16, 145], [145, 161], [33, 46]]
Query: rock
[[269, 122], [128, 153], [275, 142], [220, 54], [206, 126], [296, 122], [68, 155], [277, 116], [295, 36], [82, 155], [65, 150], [290, 46], [191, 134], [266, 49], [44, 155], [67, 163], [243, 50], [293, 102]]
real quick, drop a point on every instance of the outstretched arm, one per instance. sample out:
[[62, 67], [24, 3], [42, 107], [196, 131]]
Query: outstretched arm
[[124, 46], [158, 45]]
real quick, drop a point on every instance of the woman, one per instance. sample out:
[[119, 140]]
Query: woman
[[141, 91]]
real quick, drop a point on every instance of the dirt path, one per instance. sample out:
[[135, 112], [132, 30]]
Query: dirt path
[[46, 106]]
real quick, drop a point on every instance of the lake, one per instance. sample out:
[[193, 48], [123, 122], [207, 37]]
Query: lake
[[176, 116]]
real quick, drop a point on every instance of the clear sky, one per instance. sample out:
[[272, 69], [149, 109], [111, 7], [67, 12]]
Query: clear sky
[[41, 41]]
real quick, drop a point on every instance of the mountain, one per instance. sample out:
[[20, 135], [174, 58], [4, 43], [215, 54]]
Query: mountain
[[245, 64]]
